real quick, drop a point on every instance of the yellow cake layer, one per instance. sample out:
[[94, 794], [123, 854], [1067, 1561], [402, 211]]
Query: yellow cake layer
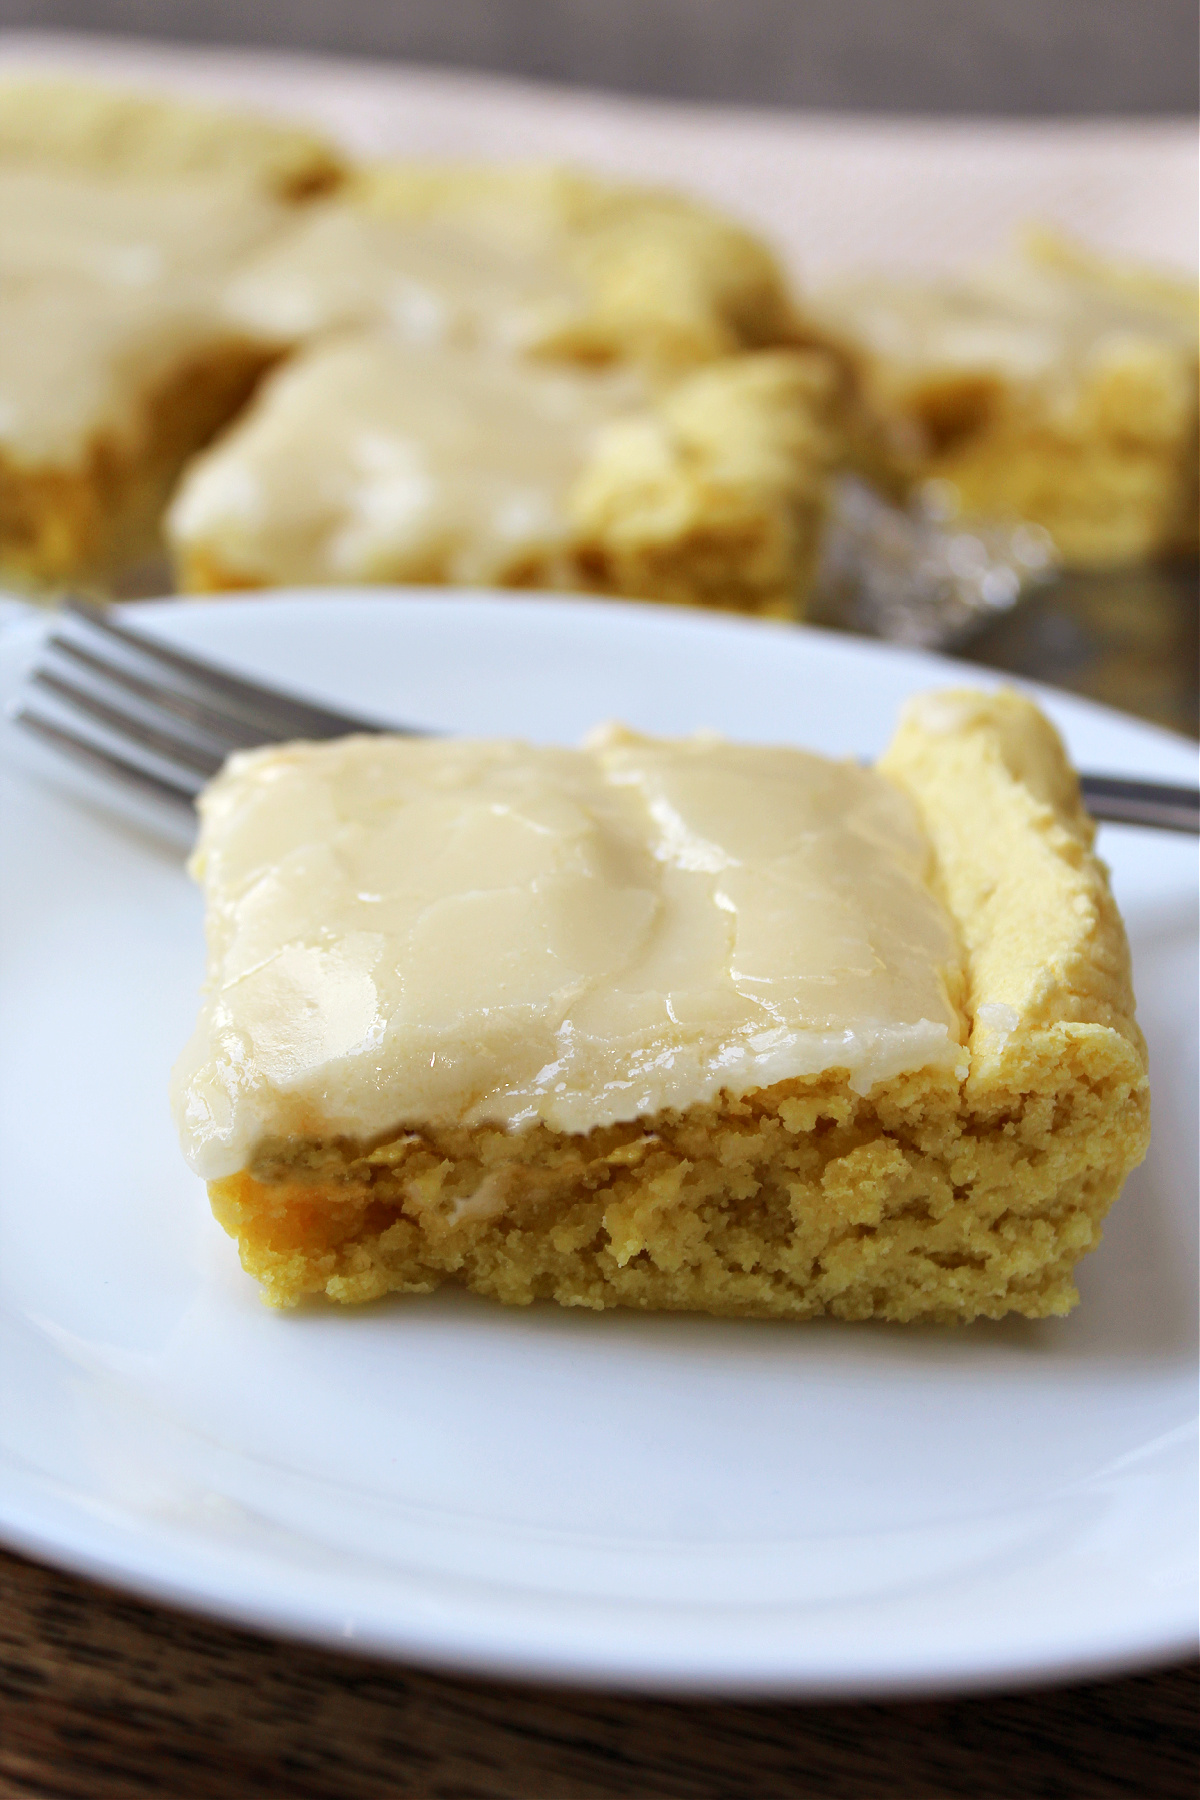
[[488, 470], [55, 122], [713, 493], [1057, 387], [100, 513], [543, 260], [120, 218], [939, 1193]]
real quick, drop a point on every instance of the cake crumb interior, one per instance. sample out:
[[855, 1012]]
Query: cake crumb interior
[[943, 1192]]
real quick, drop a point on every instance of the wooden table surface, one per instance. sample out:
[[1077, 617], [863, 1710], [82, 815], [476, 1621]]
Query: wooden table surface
[[105, 1698], [102, 1698]]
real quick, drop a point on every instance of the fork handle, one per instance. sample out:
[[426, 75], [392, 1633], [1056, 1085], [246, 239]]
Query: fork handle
[[1120, 801]]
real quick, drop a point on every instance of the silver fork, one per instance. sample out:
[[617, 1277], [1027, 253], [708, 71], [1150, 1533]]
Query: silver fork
[[162, 723], [130, 707]]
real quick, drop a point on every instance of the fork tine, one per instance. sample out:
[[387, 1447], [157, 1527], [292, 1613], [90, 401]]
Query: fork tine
[[231, 732], [204, 763], [107, 761], [280, 714], [236, 713]]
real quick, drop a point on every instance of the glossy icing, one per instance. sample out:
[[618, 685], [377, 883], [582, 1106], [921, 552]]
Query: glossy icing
[[1021, 320], [372, 457], [104, 284], [430, 279], [462, 931]]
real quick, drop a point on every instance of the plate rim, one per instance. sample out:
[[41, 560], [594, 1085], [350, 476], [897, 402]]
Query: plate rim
[[939, 1680], [274, 1617]]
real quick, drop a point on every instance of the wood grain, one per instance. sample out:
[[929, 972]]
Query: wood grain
[[105, 1698]]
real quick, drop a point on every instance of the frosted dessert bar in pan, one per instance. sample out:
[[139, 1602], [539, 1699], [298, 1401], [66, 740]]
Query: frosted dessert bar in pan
[[75, 126], [396, 445], [1055, 387], [538, 259], [121, 217], [368, 457], [684, 1025]]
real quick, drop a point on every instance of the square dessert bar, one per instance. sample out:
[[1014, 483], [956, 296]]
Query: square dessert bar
[[120, 218], [371, 458], [673, 1025], [520, 377], [71, 125], [1054, 387], [535, 258]]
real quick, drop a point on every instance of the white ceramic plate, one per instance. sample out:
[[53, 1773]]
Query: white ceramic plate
[[659, 1502]]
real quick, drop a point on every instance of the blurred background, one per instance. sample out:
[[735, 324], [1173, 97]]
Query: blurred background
[[1068, 112], [1019, 58]]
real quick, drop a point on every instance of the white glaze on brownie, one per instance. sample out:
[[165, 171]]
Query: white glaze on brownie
[[431, 280], [370, 457], [428, 932], [104, 285]]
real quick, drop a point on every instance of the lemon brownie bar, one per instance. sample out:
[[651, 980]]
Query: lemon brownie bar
[[670, 1025], [371, 458], [1055, 387], [120, 218], [76, 126], [539, 259]]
